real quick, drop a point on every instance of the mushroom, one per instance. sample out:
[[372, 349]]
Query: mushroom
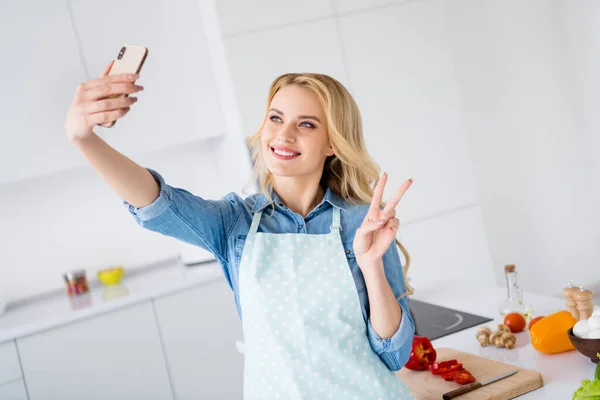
[[503, 337], [483, 336]]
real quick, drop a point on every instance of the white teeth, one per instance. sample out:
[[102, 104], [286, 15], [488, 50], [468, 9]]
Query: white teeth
[[284, 153]]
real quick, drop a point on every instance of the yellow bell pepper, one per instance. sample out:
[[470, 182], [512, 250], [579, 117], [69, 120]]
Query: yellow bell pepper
[[549, 334]]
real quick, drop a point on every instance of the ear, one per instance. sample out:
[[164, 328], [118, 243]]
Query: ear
[[329, 152]]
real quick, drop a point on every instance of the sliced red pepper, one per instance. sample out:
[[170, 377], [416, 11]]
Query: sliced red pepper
[[443, 364], [422, 355], [447, 376], [450, 368], [462, 377]]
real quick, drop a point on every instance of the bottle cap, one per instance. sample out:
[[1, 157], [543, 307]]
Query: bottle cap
[[509, 268]]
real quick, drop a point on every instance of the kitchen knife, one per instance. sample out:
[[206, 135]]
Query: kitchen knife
[[466, 389]]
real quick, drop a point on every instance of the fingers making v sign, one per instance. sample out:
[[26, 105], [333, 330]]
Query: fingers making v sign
[[379, 227]]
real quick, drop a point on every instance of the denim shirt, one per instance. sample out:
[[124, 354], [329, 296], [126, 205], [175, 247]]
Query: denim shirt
[[220, 226]]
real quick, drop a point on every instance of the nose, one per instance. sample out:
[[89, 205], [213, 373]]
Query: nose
[[286, 134]]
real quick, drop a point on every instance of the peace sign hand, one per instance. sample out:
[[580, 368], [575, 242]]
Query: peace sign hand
[[379, 227]]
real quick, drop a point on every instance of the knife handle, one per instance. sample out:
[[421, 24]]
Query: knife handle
[[461, 391]]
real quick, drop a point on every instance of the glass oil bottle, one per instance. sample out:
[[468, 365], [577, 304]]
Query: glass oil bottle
[[514, 302]]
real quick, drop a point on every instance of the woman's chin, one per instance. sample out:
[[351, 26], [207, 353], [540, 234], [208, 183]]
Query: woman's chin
[[281, 172]]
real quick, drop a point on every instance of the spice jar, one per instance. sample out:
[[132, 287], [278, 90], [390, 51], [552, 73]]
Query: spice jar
[[77, 283]]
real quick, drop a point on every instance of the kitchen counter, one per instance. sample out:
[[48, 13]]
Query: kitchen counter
[[562, 373], [57, 308]]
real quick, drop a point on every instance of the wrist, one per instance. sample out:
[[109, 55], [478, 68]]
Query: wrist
[[81, 140], [370, 266]]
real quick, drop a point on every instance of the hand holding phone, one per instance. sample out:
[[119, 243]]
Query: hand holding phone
[[101, 101], [129, 61]]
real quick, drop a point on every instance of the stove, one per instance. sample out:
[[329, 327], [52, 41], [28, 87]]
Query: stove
[[433, 321]]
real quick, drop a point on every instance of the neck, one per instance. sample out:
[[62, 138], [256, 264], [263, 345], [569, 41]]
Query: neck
[[299, 195]]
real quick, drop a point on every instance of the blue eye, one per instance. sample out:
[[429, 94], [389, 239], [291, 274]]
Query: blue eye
[[275, 118], [307, 125]]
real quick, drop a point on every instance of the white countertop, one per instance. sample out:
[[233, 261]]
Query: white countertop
[[562, 373], [59, 309]]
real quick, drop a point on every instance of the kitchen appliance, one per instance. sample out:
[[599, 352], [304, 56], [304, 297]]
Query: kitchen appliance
[[426, 386], [433, 321]]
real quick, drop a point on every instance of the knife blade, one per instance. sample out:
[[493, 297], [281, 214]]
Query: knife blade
[[476, 385]]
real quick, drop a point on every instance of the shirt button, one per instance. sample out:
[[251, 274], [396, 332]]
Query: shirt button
[[348, 251], [300, 226]]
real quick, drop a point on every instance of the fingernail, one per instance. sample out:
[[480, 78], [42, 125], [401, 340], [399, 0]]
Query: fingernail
[[379, 222], [410, 179], [134, 99], [385, 173], [138, 87]]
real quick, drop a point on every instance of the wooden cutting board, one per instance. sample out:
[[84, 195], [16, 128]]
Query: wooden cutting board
[[426, 386]]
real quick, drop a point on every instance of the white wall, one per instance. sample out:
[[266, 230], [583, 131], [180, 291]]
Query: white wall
[[529, 119], [488, 105], [72, 220], [396, 62], [53, 222]]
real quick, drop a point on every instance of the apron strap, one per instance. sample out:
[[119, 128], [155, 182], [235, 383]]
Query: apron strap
[[335, 223], [255, 223]]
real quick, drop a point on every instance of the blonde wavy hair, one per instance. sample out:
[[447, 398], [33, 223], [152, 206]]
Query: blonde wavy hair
[[351, 173]]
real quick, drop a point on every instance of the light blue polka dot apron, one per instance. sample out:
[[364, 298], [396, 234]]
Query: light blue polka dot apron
[[304, 333]]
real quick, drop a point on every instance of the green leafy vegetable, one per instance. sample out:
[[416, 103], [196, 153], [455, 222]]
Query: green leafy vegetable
[[589, 390], [597, 374]]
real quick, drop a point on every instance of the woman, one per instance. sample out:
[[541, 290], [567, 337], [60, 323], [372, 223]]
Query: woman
[[317, 279]]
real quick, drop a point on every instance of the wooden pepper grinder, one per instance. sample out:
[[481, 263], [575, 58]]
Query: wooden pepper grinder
[[585, 303], [568, 293]]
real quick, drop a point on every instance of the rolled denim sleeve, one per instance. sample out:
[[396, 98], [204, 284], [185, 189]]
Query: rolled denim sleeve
[[182, 215], [394, 351]]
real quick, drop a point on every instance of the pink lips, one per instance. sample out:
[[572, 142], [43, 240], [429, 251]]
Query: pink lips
[[284, 149]]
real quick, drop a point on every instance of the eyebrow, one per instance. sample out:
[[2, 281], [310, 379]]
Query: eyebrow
[[299, 116]]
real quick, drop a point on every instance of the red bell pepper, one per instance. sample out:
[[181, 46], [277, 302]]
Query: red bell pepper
[[462, 377], [445, 370], [452, 370], [447, 376], [422, 355], [436, 367]]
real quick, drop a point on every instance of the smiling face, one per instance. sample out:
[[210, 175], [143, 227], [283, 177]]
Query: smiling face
[[294, 138]]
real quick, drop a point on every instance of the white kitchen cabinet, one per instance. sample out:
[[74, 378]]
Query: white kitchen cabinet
[[13, 391], [9, 363], [410, 100], [112, 356], [199, 328], [180, 101], [40, 69]]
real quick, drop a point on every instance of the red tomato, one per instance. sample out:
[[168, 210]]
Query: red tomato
[[515, 322], [533, 321]]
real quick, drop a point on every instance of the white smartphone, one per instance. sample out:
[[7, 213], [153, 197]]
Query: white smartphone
[[129, 60]]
